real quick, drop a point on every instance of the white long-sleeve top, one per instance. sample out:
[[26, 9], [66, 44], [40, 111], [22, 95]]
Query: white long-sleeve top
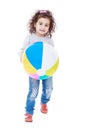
[[32, 38]]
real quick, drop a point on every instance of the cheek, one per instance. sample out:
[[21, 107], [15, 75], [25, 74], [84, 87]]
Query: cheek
[[47, 28], [37, 26]]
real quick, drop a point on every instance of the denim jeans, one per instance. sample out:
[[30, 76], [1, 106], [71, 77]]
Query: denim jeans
[[33, 92]]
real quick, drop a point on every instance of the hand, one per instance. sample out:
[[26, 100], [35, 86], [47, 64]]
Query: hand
[[21, 59]]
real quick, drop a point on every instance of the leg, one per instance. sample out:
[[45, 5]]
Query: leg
[[46, 94], [46, 90], [32, 94]]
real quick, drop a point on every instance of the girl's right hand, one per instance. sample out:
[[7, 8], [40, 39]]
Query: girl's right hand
[[21, 59]]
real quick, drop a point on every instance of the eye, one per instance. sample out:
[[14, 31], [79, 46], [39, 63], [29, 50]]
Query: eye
[[46, 25], [40, 23]]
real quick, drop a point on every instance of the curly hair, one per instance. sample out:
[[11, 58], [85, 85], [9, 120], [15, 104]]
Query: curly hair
[[42, 14]]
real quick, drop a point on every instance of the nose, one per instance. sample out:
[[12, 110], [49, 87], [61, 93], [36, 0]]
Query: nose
[[42, 27]]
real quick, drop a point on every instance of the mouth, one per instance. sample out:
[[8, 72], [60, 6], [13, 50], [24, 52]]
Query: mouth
[[42, 30]]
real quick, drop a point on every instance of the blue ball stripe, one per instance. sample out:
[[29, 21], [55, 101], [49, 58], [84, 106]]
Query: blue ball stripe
[[34, 54]]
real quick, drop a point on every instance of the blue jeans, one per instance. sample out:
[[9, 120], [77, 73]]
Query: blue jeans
[[33, 92]]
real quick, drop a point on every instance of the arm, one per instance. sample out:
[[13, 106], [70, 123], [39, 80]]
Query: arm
[[24, 45], [50, 42]]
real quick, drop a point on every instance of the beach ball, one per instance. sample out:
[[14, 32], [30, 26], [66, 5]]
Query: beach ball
[[40, 60]]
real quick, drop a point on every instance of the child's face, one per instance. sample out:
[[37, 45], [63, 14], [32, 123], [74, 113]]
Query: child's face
[[42, 26]]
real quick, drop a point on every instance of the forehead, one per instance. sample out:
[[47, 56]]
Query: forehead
[[44, 20]]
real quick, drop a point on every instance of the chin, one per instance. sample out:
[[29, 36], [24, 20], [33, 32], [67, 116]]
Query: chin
[[43, 34]]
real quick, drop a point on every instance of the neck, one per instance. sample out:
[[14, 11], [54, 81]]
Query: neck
[[40, 35]]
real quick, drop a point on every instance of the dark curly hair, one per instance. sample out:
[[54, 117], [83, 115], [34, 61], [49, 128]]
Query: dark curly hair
[[42, 14]]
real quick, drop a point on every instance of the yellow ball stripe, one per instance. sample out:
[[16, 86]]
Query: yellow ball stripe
[[51, 70], [28, 66]]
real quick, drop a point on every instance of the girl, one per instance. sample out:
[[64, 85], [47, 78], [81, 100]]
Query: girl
[[41, 26]]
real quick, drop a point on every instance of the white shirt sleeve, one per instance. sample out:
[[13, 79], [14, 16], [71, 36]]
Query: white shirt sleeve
[[24, 45], [51, 42]]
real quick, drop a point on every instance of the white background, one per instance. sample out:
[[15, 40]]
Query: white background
[[67, 108]]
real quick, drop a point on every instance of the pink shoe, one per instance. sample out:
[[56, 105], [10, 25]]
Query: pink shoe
[[28, 118], [44, 108]]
